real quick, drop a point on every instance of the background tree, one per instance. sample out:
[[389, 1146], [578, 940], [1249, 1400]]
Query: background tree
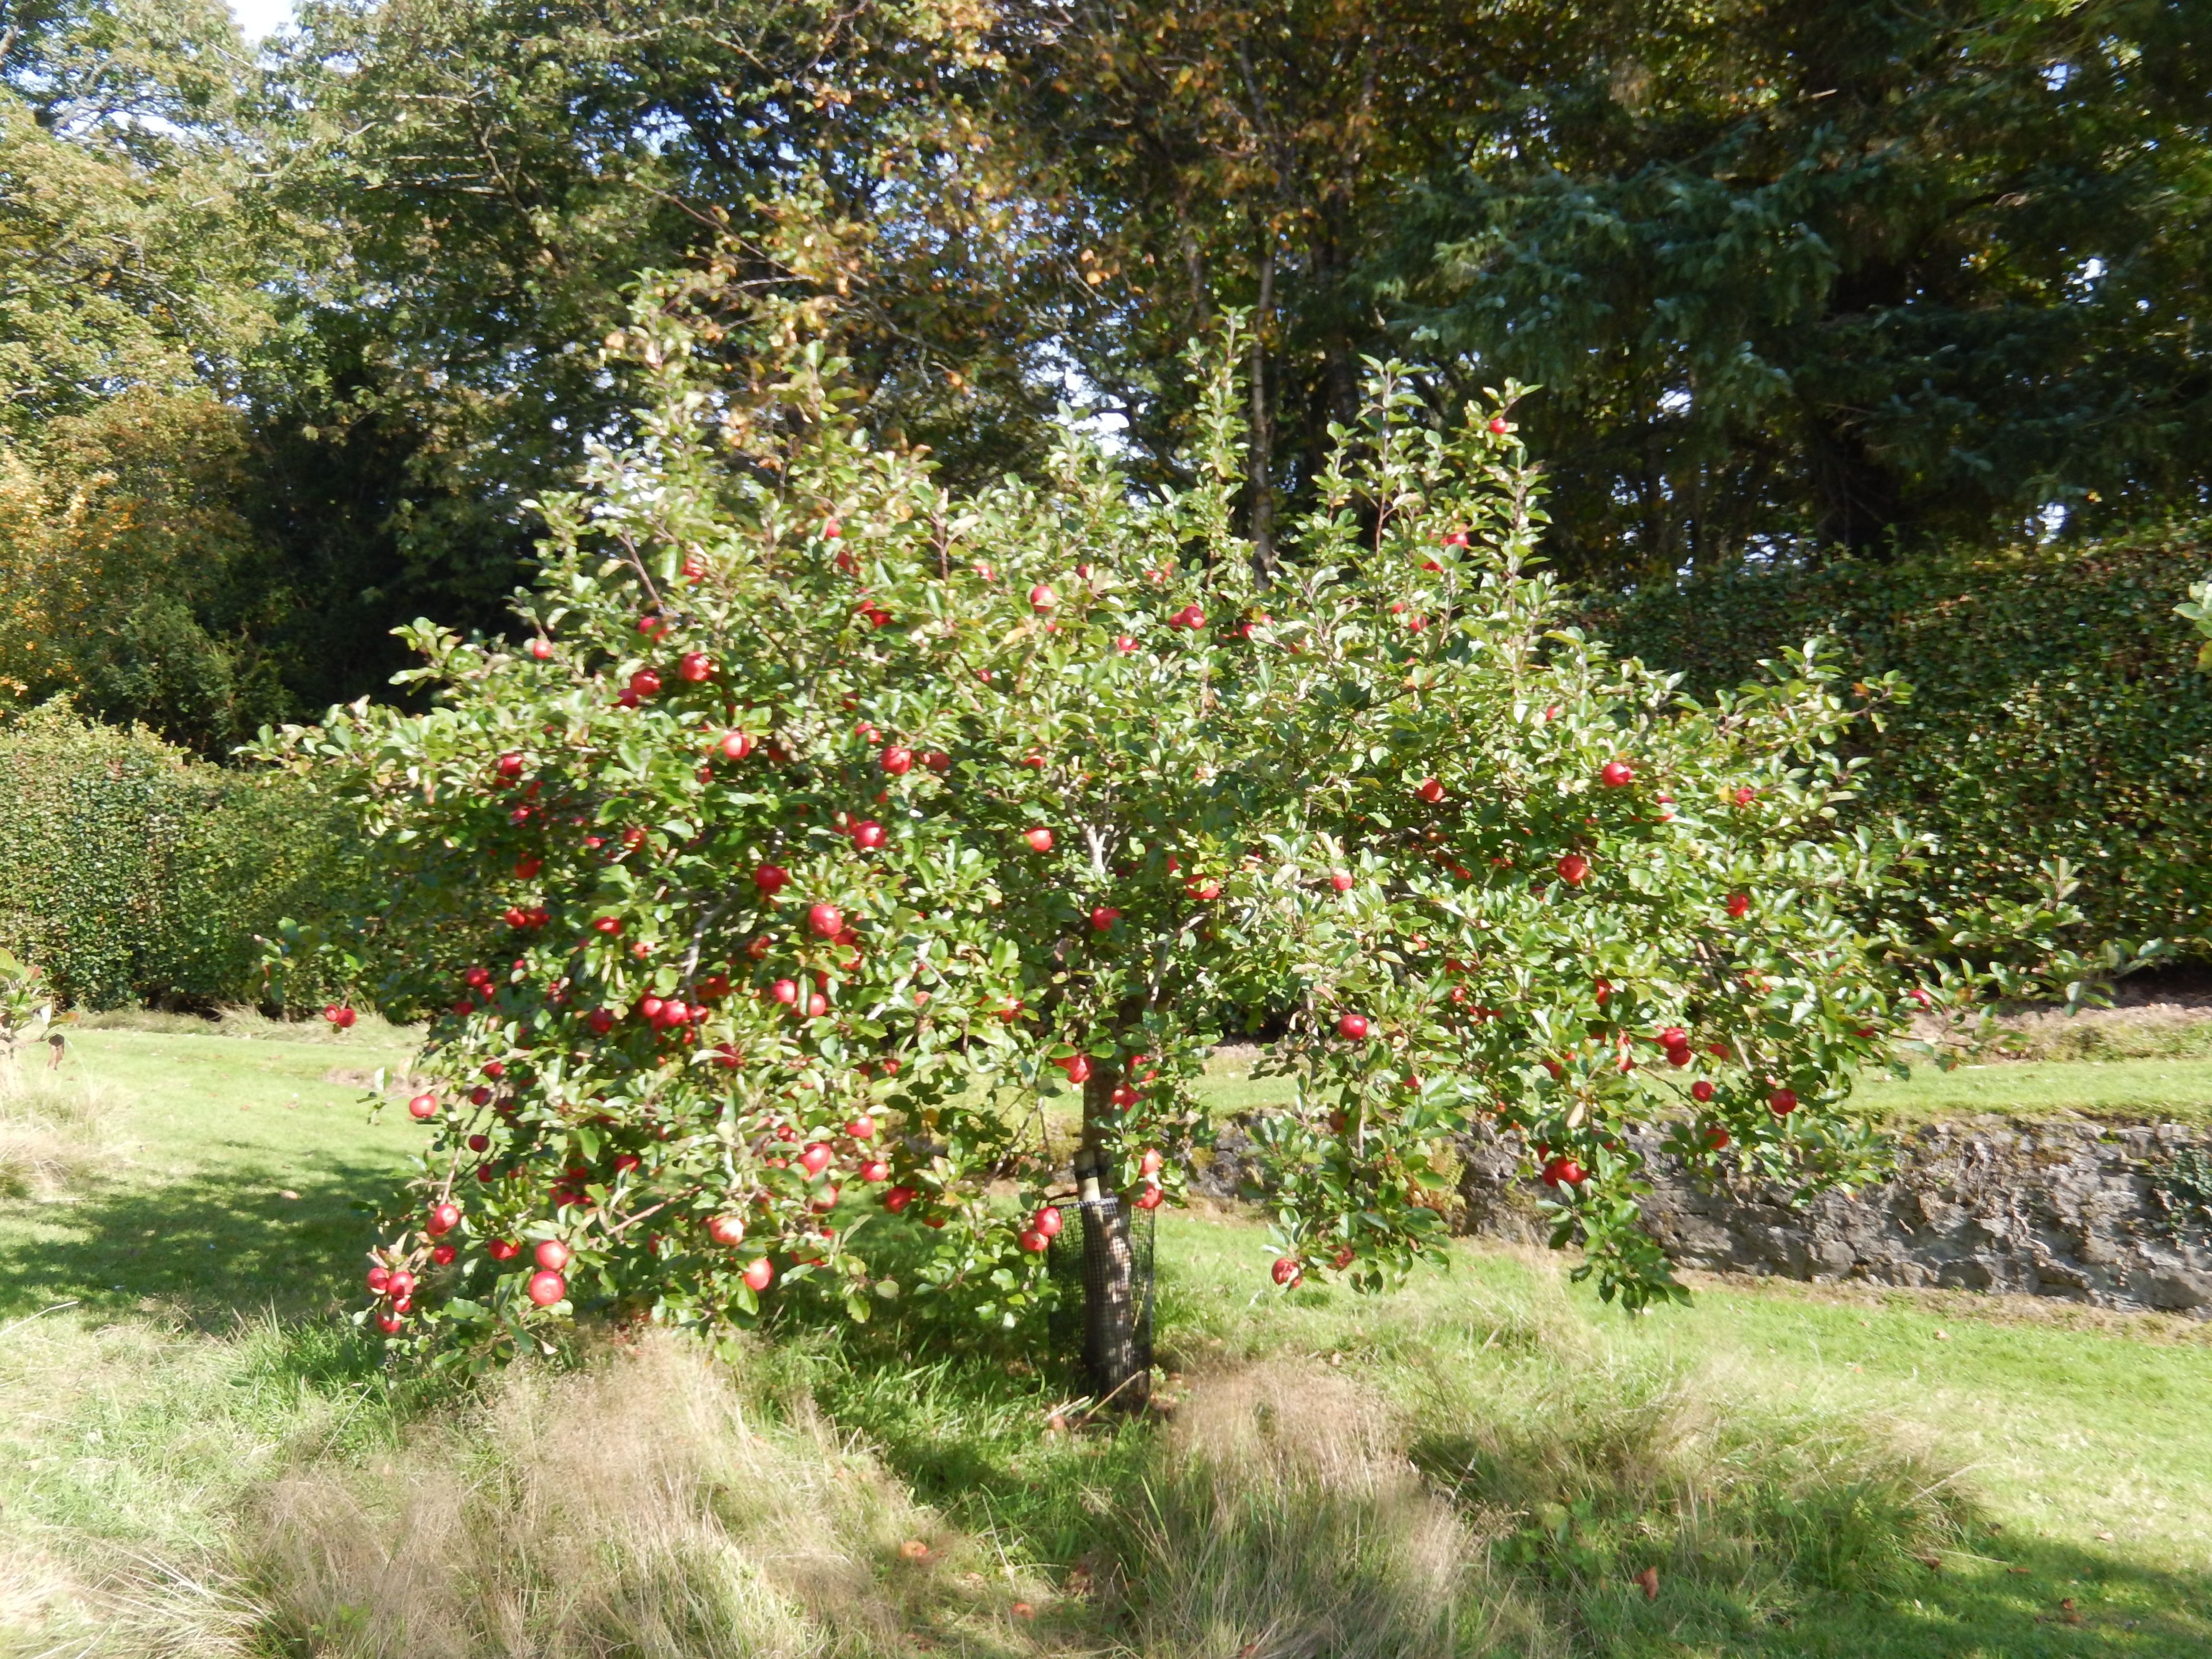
[[495, 174], [1808, 277], [131, 297]]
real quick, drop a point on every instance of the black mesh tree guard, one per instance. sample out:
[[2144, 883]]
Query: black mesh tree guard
[[1083, 1278]]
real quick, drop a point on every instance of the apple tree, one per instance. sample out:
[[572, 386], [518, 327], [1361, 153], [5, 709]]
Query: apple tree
[[826, 811]]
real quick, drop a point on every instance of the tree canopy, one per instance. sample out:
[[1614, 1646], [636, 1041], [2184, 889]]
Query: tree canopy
[[1786, 279]]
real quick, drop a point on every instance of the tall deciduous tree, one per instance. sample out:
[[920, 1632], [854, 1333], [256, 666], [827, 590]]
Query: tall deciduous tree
[[497, 172], [1833, 274]]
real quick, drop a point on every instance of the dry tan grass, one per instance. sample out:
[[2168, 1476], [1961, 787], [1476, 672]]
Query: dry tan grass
[[1293, 1525], [644, 1506], [53, 1134]]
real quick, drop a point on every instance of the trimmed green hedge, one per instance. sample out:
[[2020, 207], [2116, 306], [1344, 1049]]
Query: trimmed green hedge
[[132, 873], [2058, 709]]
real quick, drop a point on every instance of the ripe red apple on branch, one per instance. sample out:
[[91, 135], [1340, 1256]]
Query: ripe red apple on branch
[[855, 940]]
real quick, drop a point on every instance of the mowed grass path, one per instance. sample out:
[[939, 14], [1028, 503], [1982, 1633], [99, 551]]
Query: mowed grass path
[[2086, 1447]]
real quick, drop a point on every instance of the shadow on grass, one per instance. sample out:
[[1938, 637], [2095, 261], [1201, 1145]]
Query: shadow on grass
[[203, 1250], [1796, 1540]]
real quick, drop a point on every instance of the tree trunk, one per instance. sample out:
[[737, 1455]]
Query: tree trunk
[[1261, 464], [1115, 1371]]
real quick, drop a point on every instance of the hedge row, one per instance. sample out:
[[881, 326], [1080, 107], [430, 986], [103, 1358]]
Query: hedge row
[[2058, 709], [132, 873]]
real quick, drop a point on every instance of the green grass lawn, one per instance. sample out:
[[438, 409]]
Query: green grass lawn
[[236, 1165], [2131, 1090], [1789, 1454], [2123, 1091]]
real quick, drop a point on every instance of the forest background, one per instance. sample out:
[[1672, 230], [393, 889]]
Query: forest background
[[1851, 318]]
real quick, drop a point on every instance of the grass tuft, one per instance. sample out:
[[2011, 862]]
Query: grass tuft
[[647, 1504], [53, 1132], [1284, 1520]]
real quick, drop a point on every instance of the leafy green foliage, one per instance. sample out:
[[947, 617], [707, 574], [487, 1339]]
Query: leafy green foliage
[[826, 800], [130, 872], [1826, 273], [2059, 713]]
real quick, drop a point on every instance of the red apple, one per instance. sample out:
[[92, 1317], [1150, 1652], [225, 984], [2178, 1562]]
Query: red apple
[[867, 834], [1124, 644], [1343, 1258], [1564, 1172], [875, 1170], [378, 1279], [1287, 1270], [552, 1255], [1701, 1091], [1032, 1241], [1715, 1137], [423, 1106], [1353, 1028], [541, 649], [1078, 1067], [1782, 1102], [1573, 866], [645, 683], [1040, 839], [1498, 423], [734, 746], [1148, 1163], [1102, 917], [861, 1128], [815, 1159], [399, 1283], [826, 919], [695, 667], [442, 1218], [1739, 905], [898, 1198], [1047, 1221], [726, 1228], [1150, 1198], [1430, 791], [547, 1288], [508, 766], [443, 1255], [610, 925], [1341, 881], [1616, 775], [389, 1324], [897, 762], [1745, 795], [502, 1249], [758, 1272], [1042, 597], [771, 879]]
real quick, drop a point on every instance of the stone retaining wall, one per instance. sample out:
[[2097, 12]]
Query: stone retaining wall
[[2062, 1209]]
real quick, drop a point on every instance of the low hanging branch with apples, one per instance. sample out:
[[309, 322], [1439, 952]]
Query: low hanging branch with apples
[[825, 807]]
